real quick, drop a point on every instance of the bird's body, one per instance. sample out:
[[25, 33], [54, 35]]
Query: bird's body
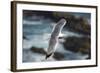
[[54, 37]]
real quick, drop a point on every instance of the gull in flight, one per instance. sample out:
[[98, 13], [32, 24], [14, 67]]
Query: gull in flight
[[54, 38]]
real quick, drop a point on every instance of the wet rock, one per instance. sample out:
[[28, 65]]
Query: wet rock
[[58, 56], [38, 50], [78, 44], [78, 25]]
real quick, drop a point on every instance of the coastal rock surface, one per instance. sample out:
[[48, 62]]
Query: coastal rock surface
[[76, 44]]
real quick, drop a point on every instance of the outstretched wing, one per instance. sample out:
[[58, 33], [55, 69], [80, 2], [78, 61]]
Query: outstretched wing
[[54, 37]]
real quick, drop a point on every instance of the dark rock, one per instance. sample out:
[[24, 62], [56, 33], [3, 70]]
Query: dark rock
[[78, 25], [38, 50], [76, 44], [58, 56]]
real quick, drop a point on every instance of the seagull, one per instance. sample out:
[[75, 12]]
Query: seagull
[[54, 38]]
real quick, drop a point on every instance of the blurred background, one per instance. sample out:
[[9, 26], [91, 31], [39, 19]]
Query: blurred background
[[74, 40]]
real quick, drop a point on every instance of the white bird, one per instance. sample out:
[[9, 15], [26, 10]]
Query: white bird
[[54, 38]]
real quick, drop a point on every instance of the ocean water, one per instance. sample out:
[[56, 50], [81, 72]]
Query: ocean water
[[37, 34]]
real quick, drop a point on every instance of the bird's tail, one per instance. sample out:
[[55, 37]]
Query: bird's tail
[[48, 55]]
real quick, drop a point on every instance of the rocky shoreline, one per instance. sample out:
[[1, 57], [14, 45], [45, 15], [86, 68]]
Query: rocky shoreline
[[77, 44]]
